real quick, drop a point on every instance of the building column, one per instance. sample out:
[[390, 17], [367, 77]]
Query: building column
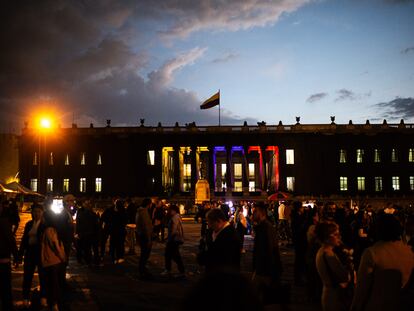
[[212, 169], [176, 160], [245, 171], [194, 169], [229, 175], [158, 171], [264, 170]]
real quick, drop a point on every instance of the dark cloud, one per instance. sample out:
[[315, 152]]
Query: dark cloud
[[399, 108], [225, 58], [85, 56], [345, 94], [407, 50], [316, 97]]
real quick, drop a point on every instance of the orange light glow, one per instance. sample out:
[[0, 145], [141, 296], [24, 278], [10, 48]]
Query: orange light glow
[[45, 123]]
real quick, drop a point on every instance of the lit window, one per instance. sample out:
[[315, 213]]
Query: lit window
[[252, 186], [378, 184], [66, 185], [251, 170], [67, 159], [151, 157], [238, 186], [51, 158], [82, 184], [99, 160], [360, 155], [343, 183], [377, 155], [33, 184], [237, 170], [394, 155], [290, 183], [98, 184], [83, 158], [223, 169], [395, 183], [411, 183], [187, 170], [290, 156], [361, 183], [342, 156], [35, 158], [411, 155], [49, 185]]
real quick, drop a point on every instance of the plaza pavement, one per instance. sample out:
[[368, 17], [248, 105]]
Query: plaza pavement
[[117, 287]]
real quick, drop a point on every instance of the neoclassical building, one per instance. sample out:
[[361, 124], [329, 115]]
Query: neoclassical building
[[372, 160]]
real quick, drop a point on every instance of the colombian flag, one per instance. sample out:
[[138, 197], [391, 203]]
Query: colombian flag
[[211, 102]]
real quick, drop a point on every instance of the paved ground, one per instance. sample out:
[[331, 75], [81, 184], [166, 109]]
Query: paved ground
[[117, 287]]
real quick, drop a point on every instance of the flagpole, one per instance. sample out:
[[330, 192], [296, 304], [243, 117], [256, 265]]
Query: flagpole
[[219, 108]]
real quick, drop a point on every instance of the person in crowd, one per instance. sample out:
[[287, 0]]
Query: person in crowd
[[226, 210], [267, 266], [409, 231], [105, 228], [158, 221], [30, 250], [174, 240], [14, 215], [284, 212], [53, 260], [144, 231], [385, 268], [131, 208], [8, 247], [241, 227], [314, 283], [334, 275], [299, 230], [223, 245], [201, 216], [362, 240], [87, 233], [117, 233]]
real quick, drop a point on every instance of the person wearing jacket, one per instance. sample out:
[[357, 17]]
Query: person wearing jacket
[[7, 248], [30, 250], [144, 232], [174, 240], [53, 260]]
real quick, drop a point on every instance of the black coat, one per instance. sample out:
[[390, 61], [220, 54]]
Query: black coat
[[266, 256], [223, 254]]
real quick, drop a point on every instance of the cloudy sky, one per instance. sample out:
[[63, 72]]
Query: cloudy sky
[[125, 60]]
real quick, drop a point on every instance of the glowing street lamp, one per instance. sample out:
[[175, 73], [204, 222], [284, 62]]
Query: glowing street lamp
[[45, 123]]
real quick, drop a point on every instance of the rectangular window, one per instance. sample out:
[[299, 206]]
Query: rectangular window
[[378, 184], [187, 170], [394, 155], [290, 156], [252, 186], [151, 157], [33, 184], [98, 184], [99, 160], [83, 158], [395, 183], [237, 170], [82, 185], [251, 170], [238, 186], [35, 160], [49, 185], [342, 156], [359, 155], [411, 183], [51, 158], [66, 185], [377, 155], [223, 170], [343, 183], [411, 155], [290, 183], [361, 183], [67, 159]]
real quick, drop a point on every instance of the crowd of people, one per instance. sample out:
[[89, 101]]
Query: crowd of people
[[348, 257]]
